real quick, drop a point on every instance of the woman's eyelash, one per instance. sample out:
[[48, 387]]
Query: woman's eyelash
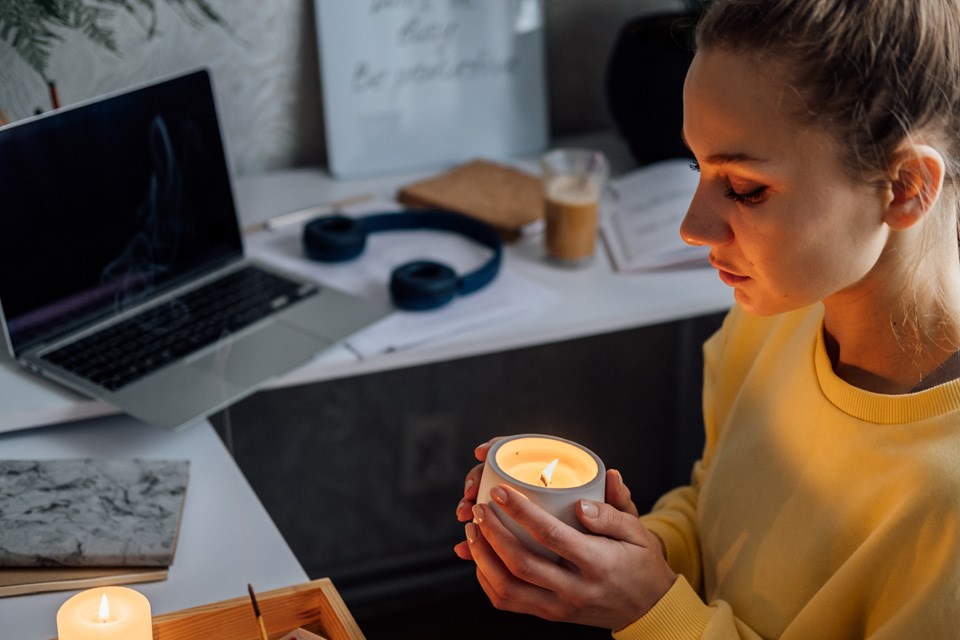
[[753, 197]]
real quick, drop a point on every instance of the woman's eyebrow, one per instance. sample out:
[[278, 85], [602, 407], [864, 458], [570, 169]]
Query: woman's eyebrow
[[727, 158]]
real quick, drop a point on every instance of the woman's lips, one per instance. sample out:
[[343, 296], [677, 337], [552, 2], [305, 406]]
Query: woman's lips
[[731, 279]]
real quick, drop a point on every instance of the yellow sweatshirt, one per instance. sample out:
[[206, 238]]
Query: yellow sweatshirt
[[818, 510]]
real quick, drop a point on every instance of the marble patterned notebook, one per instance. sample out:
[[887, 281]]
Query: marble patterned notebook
[[91, 512]]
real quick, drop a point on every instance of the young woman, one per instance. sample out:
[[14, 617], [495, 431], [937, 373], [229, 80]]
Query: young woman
[[827, 500]]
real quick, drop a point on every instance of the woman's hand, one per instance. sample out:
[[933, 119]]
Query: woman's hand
[[608, 579]]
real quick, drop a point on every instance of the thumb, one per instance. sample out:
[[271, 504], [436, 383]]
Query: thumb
[[605, 520]]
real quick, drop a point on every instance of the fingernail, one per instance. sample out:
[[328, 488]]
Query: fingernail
[[499, 495], [478, 513], [460, 505], [589, 508], [471, 531], [467, 484]]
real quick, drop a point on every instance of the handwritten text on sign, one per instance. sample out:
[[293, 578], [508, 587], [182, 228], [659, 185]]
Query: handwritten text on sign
[[431, 80]]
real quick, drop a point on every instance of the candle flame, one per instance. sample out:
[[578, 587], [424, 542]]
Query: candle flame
[[547, 474], [104, 609]]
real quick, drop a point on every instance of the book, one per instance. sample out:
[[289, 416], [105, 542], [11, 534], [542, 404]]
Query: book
[[90, 512], [643, 233], [506, 198], [24, 581]]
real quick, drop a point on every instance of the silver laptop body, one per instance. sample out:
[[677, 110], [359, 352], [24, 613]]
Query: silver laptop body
[[122, 206]]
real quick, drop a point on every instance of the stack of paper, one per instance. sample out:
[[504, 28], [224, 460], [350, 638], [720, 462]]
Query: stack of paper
[[643, 232]]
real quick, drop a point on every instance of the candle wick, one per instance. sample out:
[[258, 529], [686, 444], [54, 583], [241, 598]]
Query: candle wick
[[547, 474]]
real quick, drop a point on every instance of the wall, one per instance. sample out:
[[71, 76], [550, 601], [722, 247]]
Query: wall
[[266, 71]]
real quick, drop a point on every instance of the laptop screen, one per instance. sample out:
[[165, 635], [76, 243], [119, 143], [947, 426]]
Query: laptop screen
[[106, 204]]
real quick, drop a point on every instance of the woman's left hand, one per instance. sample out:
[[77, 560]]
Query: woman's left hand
[[606, 580]]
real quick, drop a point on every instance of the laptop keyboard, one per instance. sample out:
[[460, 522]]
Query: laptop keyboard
[[127, 351]]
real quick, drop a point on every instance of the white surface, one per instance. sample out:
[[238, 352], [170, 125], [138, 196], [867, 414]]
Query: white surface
[[588, 301], [421, 84], [226, 537]]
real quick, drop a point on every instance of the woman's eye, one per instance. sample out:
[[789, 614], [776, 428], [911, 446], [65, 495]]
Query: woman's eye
[[756, 196], [695, 166]]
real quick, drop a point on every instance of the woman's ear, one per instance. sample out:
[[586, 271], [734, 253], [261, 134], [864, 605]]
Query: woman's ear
[[917, 180]]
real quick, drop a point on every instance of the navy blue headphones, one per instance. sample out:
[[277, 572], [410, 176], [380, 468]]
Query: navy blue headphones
[[418, 285]]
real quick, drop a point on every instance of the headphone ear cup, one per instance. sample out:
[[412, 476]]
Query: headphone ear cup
[[334, 238], [423, 285]]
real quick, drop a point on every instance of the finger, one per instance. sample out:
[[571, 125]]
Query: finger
[[462, 549], [520, 561], [481, 450], [464, 513], [505, 590], [562, 539], [617, 493], [607, 520], [506, 598], [470, 488]]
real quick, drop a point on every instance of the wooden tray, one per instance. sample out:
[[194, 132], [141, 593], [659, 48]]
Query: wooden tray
[[315, 606]]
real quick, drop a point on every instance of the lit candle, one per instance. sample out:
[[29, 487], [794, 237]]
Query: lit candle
[[552, 472], [107, 613]]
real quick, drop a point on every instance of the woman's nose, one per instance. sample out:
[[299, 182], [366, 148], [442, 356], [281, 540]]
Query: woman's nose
[[703, 225]]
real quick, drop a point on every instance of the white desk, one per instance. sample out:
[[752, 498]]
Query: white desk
[[226, 538], [592, 301]]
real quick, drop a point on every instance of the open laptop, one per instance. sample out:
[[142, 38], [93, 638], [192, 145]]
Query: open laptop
[[122, 271]]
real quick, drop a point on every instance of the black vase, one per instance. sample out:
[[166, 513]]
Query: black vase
[[644, 84]]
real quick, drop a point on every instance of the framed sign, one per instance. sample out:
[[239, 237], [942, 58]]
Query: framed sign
[[411, 84]]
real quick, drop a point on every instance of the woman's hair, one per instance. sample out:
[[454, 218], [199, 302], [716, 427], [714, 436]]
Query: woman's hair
[[874, 72]]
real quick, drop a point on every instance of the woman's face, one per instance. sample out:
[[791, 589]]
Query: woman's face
[[785, 224]]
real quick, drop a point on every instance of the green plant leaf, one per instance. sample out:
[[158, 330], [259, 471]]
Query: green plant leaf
[[34, 27]]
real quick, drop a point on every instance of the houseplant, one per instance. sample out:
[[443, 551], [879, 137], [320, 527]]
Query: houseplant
[[33, 28]]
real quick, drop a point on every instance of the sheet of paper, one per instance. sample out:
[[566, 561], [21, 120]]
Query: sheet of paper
[[644, 231], [509, 296]]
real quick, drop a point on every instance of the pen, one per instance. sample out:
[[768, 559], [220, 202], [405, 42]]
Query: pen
[[256, 611], [300, 215]]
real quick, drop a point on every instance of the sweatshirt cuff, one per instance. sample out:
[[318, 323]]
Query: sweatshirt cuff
[[679, 614]]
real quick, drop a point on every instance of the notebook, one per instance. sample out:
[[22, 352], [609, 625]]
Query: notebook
[[122, 268], [91, 512]]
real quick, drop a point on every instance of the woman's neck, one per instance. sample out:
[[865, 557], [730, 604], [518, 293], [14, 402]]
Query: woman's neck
[[887, 339]]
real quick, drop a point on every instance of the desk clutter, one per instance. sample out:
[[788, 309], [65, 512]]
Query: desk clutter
[[71, 524], [510, 295]]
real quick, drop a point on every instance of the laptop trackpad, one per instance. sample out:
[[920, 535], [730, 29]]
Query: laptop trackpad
[[270, 351]]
